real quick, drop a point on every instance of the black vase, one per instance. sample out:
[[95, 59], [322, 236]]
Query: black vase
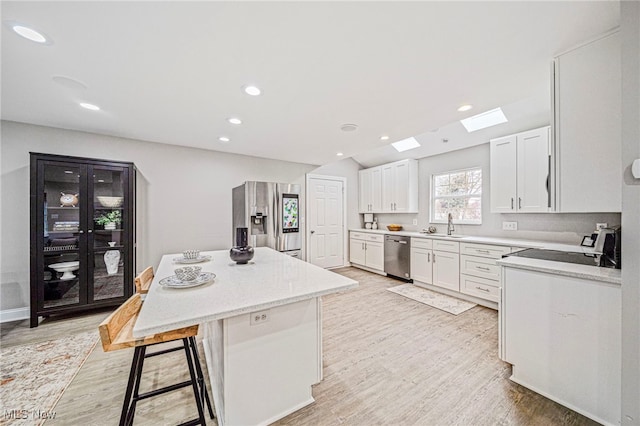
[[241, 253]]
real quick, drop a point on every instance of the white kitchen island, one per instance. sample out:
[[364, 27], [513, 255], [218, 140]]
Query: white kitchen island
[[262, 329]]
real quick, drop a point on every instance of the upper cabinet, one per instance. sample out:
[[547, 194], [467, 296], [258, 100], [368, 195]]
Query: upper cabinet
[[587, 98], [370, 190], [390, 188], [520, 172]]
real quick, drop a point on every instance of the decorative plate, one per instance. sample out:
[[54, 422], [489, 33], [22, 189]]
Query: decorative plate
[[198, 259], [174, 282]]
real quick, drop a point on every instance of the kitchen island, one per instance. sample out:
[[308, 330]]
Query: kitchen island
[[262, 329]]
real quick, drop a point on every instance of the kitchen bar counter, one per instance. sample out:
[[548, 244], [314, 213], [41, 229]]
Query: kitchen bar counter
[[261, 326], [587, 272]]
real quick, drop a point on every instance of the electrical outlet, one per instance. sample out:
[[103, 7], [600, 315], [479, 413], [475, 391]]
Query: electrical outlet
[[259, 317], [510, 226], [599, 226], [415, 221]]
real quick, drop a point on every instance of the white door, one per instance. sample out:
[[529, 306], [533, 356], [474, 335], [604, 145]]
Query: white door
[[357, 251], [421, 266], [401, 187], [366, 184], [388, 187], [326, 222], [374, 255]]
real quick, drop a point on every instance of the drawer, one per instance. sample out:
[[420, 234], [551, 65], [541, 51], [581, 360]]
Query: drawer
[[357, 235], [480, 287], [443, 245], [480, 267], [374, 237], [422, 243], [484, 250]]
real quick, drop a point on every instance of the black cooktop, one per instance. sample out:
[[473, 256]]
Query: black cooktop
[[559, 256]]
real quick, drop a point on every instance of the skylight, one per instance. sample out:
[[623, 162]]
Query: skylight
[[484, 120], [406, 144]]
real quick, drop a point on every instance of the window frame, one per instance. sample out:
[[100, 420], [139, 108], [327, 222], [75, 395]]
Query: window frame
[[433, 197]]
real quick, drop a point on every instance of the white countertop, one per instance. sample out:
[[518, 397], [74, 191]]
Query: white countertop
[[269, 279], [587, 272]]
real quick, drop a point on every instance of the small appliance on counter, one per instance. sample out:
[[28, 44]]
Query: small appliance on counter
[[608, 244]]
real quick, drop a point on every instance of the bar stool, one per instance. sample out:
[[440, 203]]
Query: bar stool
[[116, 332]]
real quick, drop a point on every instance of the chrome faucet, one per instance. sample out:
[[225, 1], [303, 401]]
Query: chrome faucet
[[450, 227]]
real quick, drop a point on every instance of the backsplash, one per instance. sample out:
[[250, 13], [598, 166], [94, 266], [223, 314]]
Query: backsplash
[[566, 228]]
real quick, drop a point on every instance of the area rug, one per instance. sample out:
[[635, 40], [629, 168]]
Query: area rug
[[440, 301], [34, 376]]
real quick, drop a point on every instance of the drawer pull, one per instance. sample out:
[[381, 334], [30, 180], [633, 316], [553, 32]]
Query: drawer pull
[[482, 289], [483, 268], [483, 251]]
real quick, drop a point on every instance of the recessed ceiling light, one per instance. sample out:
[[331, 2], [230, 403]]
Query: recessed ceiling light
[[91, 107], [252, 90], [464, 108], [224, 139], [349, 127], [484, 120], [406, 144], [384, 138], [30, 34], [234, 120], [339, 154]]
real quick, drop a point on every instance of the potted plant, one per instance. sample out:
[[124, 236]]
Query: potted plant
[[109, 219]]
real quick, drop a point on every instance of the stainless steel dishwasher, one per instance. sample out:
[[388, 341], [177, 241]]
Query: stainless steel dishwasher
[[397, 256]]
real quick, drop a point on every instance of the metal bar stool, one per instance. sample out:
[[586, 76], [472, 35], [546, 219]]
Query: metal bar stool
[[116, 332]]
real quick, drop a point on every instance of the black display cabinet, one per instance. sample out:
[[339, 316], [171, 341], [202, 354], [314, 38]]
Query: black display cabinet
[[82, 234]]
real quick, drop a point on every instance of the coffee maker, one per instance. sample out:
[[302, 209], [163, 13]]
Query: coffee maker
[[608, 245]]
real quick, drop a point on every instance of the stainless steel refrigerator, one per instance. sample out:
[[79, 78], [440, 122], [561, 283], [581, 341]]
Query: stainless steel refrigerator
[[271, 212]]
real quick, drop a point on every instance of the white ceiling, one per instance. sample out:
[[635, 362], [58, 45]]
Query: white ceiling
[[172, 72]]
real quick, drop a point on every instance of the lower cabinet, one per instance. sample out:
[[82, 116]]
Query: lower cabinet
[[479, 274], [367, 250], [446, 264], [422, 260]]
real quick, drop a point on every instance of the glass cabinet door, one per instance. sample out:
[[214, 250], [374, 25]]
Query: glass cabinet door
[[107, 189], [62, 265]]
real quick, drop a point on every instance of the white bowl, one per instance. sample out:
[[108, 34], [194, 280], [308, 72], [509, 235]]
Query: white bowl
[[66, 268], [110, 202], [191, 254]]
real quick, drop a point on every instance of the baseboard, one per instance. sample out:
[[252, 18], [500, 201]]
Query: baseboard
[[14, 314]]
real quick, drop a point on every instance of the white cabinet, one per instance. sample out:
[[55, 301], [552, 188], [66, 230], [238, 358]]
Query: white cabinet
[[479, 274], [520, 172], [563, 337], [370, 190], [367, 250], [390, 188], [422, 260], [400, 187], [587, 102], [446, 264]]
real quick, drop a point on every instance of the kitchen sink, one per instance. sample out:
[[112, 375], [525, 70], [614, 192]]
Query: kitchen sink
[[443, 235]]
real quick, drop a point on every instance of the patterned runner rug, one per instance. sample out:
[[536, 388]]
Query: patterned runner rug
[[440, 301], [34, 376]]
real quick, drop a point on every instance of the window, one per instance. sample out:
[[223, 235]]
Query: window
[[458, 193]]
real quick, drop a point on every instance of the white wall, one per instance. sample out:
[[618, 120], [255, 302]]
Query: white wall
[[565, 227], [183, 198], [630, 32]]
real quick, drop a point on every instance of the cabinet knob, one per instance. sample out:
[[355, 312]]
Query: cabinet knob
[[81, 232], [90, 231], [519, 202], [511, 203], [313, 232]]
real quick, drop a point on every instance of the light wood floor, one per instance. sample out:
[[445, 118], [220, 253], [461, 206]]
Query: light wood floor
[[388, 360]]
